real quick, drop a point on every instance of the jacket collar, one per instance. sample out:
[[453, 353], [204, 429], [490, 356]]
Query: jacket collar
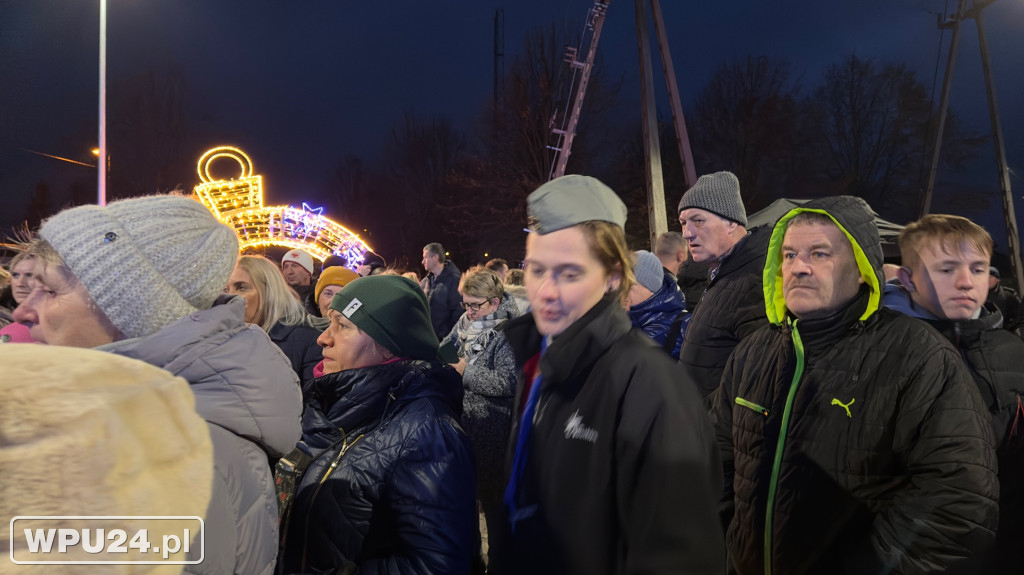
[[577, 348], [964, 332], [750, 247], [821, 333], [360, 398]]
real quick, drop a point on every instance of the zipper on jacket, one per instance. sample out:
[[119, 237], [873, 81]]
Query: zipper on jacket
[[773, 485], [751, 405], [345, 445]]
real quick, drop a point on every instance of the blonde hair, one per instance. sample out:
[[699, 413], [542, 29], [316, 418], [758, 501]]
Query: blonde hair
[[607, 243], [481, 282], [278, 303], [950, 232]]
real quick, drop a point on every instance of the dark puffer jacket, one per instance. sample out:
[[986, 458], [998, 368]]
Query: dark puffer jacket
[[996, 360], [854, 443], [731, 309], [655, 315], [392, 490], [298, 342]]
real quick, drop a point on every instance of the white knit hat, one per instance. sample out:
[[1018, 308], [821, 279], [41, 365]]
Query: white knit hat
[[299, 257], [145, 261]]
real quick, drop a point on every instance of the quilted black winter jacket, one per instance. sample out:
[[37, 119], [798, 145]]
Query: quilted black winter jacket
[[996, 360], [392, 490]]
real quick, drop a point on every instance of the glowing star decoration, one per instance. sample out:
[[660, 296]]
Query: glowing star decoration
[[239, 204]]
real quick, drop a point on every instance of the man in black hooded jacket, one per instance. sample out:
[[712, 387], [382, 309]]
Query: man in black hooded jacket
[[853, 438], [944, 281]]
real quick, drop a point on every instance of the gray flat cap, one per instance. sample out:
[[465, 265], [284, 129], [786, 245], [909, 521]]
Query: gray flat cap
[[570, 200]]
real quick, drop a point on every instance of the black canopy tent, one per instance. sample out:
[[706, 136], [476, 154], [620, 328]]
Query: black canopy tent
[[887, 231]]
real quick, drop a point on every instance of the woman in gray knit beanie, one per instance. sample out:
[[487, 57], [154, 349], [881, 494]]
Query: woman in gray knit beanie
[[142, 278]]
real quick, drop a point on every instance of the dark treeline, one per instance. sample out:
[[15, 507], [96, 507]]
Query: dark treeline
[[864, 128]]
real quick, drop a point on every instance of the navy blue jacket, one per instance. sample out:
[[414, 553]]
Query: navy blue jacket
[[392, 490], [654, 316], [298, 342]]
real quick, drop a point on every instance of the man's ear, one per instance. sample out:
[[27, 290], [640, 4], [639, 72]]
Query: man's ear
[[905, 278]]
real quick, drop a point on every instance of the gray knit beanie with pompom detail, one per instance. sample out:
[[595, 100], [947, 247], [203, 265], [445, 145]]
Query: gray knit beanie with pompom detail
[[146, 261]]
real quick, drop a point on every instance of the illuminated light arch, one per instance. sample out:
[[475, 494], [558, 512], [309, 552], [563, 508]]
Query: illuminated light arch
[[239, 204]]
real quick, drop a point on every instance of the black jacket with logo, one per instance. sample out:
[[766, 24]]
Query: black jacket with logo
[[855, 443], [622, 465]]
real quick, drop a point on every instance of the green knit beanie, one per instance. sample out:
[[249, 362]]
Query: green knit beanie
[[393, 311]]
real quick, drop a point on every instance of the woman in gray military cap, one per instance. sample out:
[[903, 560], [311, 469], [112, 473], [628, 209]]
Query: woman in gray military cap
[[615, 468]]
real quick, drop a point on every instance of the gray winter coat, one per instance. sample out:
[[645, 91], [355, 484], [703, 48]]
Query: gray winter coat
[[249, 396], [489, 381]]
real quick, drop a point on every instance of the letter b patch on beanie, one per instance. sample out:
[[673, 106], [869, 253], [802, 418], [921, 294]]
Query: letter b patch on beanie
[[351, 308]]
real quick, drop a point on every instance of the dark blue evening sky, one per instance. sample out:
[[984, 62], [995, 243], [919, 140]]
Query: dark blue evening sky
[[299, 84]]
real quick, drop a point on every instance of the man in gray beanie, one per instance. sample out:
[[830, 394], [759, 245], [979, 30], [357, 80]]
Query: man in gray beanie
[[731, 307], [143, 278]]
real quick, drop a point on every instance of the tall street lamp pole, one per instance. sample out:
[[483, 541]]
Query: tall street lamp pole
[[101, 172]]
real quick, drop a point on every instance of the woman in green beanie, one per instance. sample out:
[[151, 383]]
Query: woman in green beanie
[[388, 484]]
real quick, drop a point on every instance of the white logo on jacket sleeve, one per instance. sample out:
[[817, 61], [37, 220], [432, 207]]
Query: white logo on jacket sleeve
[[574, 428]]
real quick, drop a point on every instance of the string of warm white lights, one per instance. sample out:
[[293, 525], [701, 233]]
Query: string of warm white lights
[[239, 204]]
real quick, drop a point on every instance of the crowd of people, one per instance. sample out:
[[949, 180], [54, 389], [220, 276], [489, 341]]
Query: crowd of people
[[733, 400]]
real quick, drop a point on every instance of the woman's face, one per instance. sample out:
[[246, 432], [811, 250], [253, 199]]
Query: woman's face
[[60, 312], [325, 298], [345, 346], [563, 279], [23, 279], [478, 307], [240, 283]]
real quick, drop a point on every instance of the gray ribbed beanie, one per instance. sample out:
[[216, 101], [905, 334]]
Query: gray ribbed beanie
[[718, 193], [145, 261], [648, 270]]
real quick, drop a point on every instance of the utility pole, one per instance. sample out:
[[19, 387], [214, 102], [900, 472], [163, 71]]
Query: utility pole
[[1009, 213], [1012, 234], [653, 176], [499, 63], [947, 83], [565, 136], [682, 137], [101, 160], [652, 149]]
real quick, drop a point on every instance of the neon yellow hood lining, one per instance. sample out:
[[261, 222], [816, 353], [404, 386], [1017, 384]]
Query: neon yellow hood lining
[[775, 297]]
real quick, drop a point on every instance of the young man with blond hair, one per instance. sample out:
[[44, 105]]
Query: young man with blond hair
[[944, 281]]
